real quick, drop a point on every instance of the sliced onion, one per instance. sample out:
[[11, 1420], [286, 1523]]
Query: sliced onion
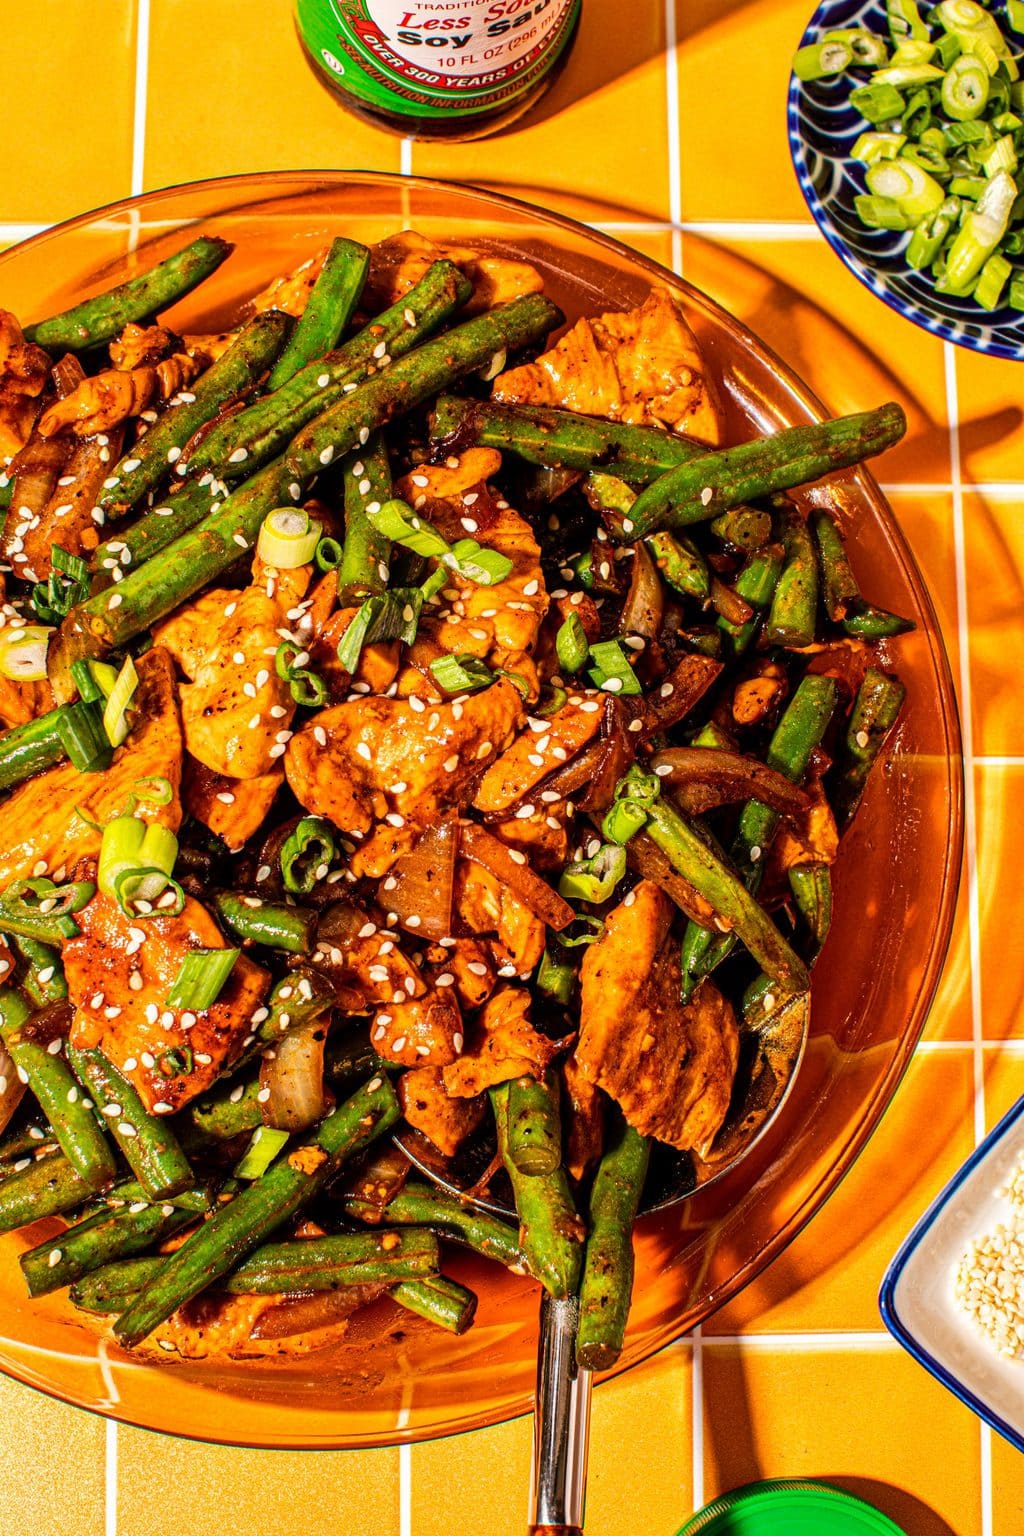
[[294, 1075], [704, 777], [644, 608], [420, 883], [12, 1089], [304, 1314], [527, 887]]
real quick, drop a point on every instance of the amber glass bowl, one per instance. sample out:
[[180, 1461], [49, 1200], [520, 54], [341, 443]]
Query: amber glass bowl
[[392, 1379]]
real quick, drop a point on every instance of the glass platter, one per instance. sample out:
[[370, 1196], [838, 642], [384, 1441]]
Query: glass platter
[[390, 1379]]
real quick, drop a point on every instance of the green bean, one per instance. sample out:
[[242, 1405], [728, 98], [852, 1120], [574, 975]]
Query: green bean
[[535, 1124], [441, 1301], [289, 1184], [60, 1098], [236, 370], [875, 711], [43, 981], [328, 310], [682, 565], [607, 1285], [103, 1236], [364, 567], [839, 585], [421, 1205], [273, 924], [811, 885], [148, 1143], [792, 618], [154, 530], [49, 1187], [27, 749], [550, 1231], [101, 318]]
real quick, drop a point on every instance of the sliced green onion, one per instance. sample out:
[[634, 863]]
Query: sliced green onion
[[1001, 157], [913, 50], [158, 791], [307, 855], [393, 615], [917, 114], [594, 879], [287, 538], [864, 45], [264, 1146], [553, 699], [930, 235], [1015, 14], [816, 60], [329, 554], [477, 563], [555, 976], [463, 673], [880, 212], [1015, 297], [906, 74], [980, 233], [141, 852], [585, 930], [977, 31], [993, 278], [83, 737], [907, 185], [94, 680], [611, 670], [67, 585], [115, 715], [201, 977], [518, 681], [969, 187], [878, 103], [966, 132], [308, 689], [928, 156], [965, 89], [397, 521], [135, 888], [571, 644], [23, 653], [947, 49], [622, 821], [905, 21], [872, 146]]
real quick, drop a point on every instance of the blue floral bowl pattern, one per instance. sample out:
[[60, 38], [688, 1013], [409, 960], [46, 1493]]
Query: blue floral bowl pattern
[[823, 129]]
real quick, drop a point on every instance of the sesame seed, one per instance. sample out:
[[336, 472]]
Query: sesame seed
[[399, 1045], [127, 1129], [240, 540], [706, 494], [457, 1043], [327, 454], [446, 979], [129, 1065], [393, 819], [54, 1258], [226, 797], [525, 812], [129, 466]]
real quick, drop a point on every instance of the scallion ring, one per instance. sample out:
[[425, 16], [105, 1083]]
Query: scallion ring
[[201, 978], [307, 854], [287, 538], [23, 653], [115, 715]]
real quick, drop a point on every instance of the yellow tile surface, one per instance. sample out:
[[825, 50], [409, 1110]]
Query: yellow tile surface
[[868, 1419], [296, 1493], [69, 145], [52, 1466], [227, 90]]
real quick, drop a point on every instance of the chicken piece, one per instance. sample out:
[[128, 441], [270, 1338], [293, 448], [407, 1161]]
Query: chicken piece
[[21, 702], [398, 263], [500, 622], [42, 827], [291, 291], [538, 751], [755, 697], [543, 836], [236, 711], [107, 399], [76, 478], [487, 906], [140, 346], [502, 1044], [232, 813], [669, 1065], [216, 1326], [420, 1030], [364, 963], [585, 1135], [811, 837], [465, 964], [378, 663], [24, 371], [643, 366], [390, 767], [120, 970], [445, 1121]]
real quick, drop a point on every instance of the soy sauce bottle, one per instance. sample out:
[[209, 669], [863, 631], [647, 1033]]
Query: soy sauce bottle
[[438, 69]]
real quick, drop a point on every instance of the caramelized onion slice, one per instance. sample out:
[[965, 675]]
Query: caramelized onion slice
[[294, 1075], [503, 863], [420, 882], [703, 777]]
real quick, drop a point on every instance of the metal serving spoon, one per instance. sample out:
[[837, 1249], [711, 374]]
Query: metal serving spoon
[[769, 1059]]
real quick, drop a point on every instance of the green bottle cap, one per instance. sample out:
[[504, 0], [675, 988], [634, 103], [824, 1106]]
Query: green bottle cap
[[781, 1508]]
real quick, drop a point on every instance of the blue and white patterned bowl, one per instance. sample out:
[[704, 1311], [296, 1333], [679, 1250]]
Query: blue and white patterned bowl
[[823, 129]]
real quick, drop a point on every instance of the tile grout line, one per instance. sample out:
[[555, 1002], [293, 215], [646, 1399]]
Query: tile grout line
[[141, 87], [110, 1480], [970, 830], [697, 1416], [675, 190]]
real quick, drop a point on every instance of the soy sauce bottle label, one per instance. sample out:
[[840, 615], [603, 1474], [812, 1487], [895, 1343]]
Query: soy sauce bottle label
[[436, 58]]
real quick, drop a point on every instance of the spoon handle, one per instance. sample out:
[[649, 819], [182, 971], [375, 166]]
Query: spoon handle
[[561, 1424]]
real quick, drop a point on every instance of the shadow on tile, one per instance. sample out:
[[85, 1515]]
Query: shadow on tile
[[911, 1514]]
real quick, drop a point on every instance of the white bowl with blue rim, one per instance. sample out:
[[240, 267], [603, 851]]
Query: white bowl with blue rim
[[917, 1299], [823, 129]]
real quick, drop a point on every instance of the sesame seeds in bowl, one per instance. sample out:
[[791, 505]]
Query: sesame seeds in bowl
[[954, 1294], [823, 128]]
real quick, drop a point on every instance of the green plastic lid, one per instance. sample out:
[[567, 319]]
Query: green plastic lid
[[789, 1509]]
